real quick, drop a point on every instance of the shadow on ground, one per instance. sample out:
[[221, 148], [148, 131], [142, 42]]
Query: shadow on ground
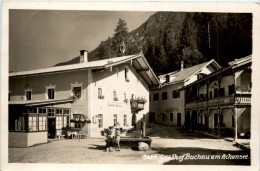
[[171, 132], [180, 151]]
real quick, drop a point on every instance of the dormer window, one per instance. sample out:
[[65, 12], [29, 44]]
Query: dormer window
[[126, 74], [167, 77]]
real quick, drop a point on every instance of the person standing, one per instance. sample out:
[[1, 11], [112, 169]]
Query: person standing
[[117, 137]]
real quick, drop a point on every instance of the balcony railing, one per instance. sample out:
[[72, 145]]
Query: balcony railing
[[238, 99]]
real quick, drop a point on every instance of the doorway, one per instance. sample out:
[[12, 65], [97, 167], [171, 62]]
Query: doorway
[[51, 127], [179, 119], [152, 117]]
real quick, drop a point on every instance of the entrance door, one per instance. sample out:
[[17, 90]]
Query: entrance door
[[51, 127], [179, 119], [215, 120], [152, 117], [187, 120]]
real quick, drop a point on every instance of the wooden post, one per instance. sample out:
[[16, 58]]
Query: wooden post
[[144, 120], [235, 124]]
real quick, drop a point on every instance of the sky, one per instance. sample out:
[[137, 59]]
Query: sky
[[43, 38]]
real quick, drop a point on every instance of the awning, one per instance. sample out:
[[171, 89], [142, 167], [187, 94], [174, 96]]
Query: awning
[[32, 103], [80, 118]]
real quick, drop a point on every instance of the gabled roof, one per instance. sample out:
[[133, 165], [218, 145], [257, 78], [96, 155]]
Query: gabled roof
[[231, 65], [138, 61], [186, 73], [239, 62]]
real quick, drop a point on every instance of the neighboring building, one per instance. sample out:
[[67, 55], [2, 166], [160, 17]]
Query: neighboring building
[[167, 102], [42, 102], [221, 102]]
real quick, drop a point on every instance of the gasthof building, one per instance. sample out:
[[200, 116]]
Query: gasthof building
[[43, 102]]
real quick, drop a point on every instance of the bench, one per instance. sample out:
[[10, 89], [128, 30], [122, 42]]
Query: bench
[[133, 140]]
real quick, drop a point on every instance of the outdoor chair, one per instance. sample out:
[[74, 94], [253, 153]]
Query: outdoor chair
[[83, 134]]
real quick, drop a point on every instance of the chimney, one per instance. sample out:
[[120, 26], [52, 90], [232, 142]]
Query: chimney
[[83, 56], [182, 65]]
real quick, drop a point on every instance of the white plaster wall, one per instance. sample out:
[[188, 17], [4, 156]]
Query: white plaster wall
[[22, 139], [171, 105], [227, 118], [115, 80], [37, 138]]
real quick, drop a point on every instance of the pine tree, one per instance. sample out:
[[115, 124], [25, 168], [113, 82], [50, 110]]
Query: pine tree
[[121, 34]]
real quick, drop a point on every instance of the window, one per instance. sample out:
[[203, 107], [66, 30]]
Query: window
[[171, 116], [126, 75], [66, 121], [231, 89], [59, 111], [42, 111], [58, 122], [33, 110], [167, 77], [164, 95], [156, 97], [33, 123], [221, 92], [51, 112], [66, 111], [115, 119], [100, 120], [42, 123], [100, 96], [28, 95], [9, 96], [51, 93], [215, 92], [150, 98], [114, 96], [163, 116], [17, 124], [175, 94], [124, 96], [77, 92], [125, 120]]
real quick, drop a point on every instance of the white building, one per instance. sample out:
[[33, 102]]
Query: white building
[[167, 102], [43, 101]]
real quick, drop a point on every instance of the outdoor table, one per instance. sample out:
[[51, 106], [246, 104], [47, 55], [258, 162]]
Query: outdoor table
[[73, 133]]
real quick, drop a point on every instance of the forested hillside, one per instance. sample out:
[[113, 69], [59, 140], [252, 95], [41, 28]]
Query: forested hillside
[[166, 38]]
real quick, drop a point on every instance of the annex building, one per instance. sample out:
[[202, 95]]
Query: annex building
[[220, 103], [167, 102], [89, 96]]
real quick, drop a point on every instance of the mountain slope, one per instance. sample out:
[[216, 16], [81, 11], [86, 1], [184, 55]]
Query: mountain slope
[[166, 38]]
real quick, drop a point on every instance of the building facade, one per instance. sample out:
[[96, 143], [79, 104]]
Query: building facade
[[167, 103], [220, 103], [42, 103]]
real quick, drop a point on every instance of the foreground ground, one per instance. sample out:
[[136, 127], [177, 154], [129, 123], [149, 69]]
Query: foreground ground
[[169, 145]]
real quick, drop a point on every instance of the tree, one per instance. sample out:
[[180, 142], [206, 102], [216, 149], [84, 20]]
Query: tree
[[121, 34]]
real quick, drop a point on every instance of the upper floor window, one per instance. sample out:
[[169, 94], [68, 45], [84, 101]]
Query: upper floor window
[[9, 96], [28, 94], [100, 96], [115, 96], [175, 94], [167, 77], [163, 116], [221, 92], [210, 95], [156, 97], [125, 120], [77, 92], [164, 95], [126, 75], [215, 92], [51, 93], [100, 120], [231, 89]]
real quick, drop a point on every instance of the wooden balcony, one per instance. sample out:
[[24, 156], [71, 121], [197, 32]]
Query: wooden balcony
[[238, 99]]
